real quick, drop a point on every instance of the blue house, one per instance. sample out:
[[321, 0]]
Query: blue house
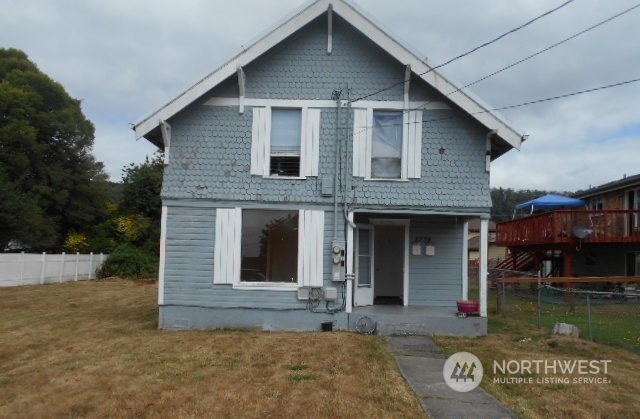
[[323, 177]]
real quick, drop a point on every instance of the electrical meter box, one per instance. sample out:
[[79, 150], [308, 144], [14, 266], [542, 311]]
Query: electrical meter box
[[338, 260]]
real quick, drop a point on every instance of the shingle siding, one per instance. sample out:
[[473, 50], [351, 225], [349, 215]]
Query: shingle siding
[[210, 150]]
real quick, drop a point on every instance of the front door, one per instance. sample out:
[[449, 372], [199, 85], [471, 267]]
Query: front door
[[388, 264], [363, 293]]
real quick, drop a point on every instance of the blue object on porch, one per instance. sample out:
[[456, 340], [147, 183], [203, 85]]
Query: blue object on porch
[[550, 202]]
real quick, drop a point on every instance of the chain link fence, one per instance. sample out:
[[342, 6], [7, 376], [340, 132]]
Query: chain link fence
[[604, 312]]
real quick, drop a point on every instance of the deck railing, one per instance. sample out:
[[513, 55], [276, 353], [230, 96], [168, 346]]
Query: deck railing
[[566, 226]]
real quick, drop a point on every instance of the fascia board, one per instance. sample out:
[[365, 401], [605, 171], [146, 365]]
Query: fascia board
[[433, 78], [262, 45]]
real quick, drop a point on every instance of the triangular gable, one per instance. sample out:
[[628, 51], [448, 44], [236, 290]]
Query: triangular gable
[[508, 136]]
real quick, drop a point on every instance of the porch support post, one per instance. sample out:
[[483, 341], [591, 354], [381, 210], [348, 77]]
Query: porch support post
[[484, 248], [350, 273], [465, 260]]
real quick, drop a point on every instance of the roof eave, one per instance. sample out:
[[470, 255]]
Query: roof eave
[[365, 25]]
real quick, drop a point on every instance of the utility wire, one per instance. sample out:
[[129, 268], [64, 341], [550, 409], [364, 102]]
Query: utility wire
[[544, 50], [608, 86], [471, 50], [548, 99]]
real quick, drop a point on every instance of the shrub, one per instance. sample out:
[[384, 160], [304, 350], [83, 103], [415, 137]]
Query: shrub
[[128, 261]]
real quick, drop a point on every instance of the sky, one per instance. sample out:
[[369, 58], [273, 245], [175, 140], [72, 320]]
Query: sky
[[125, 59]]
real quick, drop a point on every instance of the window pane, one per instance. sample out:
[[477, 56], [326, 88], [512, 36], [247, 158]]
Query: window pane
[[386, 150], [286, 129], [364, 257], [269, 246]]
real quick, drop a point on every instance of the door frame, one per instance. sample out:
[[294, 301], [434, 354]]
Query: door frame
[[364, 292], [396, 222]]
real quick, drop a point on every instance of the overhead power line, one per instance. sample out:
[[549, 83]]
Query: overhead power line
[[608, 86], [471, 50], [545, 49]]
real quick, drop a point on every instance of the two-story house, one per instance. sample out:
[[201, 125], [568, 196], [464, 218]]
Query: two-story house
[[324, 175]]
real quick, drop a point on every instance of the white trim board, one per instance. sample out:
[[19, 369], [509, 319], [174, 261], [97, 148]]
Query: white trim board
[[355, 17], [310, 103]]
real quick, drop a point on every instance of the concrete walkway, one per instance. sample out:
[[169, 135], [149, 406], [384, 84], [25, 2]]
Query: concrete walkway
[[421, 363]]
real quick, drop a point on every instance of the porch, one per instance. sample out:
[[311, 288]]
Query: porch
[[565, 227], [415, 320]]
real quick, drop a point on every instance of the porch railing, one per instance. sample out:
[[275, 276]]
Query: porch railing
[[565, 226]]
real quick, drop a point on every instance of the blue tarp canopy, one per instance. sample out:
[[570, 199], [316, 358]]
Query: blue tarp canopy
[[550, 202]]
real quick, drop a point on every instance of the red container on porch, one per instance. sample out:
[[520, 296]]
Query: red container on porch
[[468, 306]]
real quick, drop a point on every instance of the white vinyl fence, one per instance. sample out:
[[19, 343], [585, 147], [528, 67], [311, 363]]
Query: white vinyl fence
[[42, 268]]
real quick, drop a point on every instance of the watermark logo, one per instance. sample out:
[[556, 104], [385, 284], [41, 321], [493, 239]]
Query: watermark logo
[[463, 371]]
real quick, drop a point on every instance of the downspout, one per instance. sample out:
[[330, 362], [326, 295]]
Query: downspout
[[348, 170]]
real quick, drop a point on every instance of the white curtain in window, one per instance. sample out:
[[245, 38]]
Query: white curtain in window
[[386, 150], [310, 248], [260, 141], [226, 254]]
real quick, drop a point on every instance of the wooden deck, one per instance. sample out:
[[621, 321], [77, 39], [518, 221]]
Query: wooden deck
[[568, 226]]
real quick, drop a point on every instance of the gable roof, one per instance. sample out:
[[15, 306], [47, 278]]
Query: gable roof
[[505, 136]]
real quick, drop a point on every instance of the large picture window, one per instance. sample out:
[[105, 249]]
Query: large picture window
[[269, 247], [386, 148]]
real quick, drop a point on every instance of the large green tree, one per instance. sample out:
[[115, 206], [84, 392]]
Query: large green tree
[[50, 183]]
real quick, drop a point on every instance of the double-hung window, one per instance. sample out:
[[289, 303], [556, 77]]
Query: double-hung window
[[286, 134], [387, 144], [285, 142]]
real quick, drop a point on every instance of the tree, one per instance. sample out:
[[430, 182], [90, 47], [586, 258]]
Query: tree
[[50, 184]]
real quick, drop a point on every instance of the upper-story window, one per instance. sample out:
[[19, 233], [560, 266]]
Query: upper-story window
[[387, 145], [285, 142], [286, 135]]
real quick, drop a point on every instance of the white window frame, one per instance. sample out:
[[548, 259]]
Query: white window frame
[[411, 159], [309, 142], [227, 251]]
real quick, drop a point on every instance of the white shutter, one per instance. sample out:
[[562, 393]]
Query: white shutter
[[362, 121], [414, 145], [310, 248], [260, 141], [226, 254], [310, 141]]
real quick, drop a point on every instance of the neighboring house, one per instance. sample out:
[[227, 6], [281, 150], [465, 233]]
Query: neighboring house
[[320, 174], [620, 197], [601, 238], [495, 252]]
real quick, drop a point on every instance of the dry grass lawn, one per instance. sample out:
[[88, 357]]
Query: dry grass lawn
[[92, 349], [511, 339]]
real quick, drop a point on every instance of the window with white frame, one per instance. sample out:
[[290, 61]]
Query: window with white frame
[[268, 248], [286, 135], [387, 145], [285, 142]]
